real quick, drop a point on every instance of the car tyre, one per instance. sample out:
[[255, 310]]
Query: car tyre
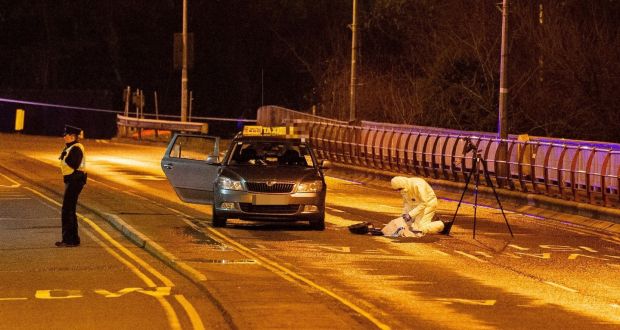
[[318, 224], [218, 220]]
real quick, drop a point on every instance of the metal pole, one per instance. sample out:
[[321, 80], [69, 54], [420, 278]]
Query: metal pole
[[191, 102], [137, 103], [184, 66], [127, 100], [352, 101], [502, 123], [156, 105], [156, 111]]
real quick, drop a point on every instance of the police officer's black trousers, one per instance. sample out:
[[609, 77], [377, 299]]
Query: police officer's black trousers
[[69, 219]]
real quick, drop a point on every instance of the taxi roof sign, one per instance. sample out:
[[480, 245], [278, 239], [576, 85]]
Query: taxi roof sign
[[283, 131]]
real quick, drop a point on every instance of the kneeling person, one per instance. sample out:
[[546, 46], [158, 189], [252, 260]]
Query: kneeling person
[[419, 205]]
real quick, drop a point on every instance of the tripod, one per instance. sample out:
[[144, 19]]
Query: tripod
[[475, 169]]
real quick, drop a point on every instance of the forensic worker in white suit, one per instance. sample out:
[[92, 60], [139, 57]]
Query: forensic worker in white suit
[[419, 205]]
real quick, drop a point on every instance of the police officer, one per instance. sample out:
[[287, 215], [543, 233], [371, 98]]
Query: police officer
[[72, 166]]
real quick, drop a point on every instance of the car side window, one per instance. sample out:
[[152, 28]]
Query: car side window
[[188, 147]]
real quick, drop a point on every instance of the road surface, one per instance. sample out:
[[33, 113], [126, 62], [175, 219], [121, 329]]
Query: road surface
[[559, 271]]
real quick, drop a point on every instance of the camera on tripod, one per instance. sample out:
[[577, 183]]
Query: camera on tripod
[[469, 146], [476, 160]]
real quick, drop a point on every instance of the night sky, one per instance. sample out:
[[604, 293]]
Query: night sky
[[420, 62]]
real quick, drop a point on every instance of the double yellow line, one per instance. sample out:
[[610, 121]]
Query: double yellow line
[[290, 275], [130, 260]]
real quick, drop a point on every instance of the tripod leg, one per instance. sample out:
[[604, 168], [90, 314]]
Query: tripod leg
[[477, 183], [488, 177], [467, 179]]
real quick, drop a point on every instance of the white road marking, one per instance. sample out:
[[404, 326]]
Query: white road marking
[[560, 286], [488, 302], [343, 180], [518, 247], [469, 256]]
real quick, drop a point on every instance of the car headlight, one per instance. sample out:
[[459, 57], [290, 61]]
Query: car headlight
[[226, 183], [312, 186]]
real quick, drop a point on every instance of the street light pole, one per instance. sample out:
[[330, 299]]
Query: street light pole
[[502, 123], [184, 66], [353, 87]]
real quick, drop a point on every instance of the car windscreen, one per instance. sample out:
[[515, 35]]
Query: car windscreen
[[270, 153]]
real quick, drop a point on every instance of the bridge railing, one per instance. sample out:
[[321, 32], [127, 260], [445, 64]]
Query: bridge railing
[[580, 171]]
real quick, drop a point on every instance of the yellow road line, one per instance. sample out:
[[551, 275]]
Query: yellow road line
[[115, 243], [14, 185], [288, 274], [120, 258], [274, 265], [173, 320], [194, 317]]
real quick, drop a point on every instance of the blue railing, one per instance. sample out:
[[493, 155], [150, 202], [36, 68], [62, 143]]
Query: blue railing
[[580, 171]]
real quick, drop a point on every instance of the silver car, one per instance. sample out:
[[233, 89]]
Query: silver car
[[262, 177]]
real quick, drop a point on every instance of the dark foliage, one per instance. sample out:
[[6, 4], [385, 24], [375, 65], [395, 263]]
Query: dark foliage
[[422, 62]]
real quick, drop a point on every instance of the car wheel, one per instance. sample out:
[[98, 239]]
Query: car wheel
[[318, 224], [218, 220]]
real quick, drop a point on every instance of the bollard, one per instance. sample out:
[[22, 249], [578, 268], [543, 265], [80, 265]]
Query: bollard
[[19, 120]]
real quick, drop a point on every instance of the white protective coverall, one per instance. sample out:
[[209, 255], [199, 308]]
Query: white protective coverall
[[420, 203]]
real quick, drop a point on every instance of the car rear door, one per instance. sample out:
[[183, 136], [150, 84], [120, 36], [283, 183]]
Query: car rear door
[[191, 165]]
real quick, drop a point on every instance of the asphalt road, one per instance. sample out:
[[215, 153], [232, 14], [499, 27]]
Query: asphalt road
[[558, 271]]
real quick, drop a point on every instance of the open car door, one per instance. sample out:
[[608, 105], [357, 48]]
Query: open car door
[[191, 164]]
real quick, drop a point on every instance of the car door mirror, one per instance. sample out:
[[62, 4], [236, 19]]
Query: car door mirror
[[213, 160]]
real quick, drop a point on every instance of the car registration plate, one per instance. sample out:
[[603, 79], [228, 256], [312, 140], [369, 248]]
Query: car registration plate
[[269, 200]]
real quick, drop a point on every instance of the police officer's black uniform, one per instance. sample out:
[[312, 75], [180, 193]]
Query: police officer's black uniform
[[72, 166]]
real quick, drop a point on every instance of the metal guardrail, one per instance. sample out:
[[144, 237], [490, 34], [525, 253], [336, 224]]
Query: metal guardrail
[[140, 123], [579, 171]]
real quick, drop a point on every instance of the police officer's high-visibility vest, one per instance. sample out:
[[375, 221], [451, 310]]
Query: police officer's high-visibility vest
[[66, 169]]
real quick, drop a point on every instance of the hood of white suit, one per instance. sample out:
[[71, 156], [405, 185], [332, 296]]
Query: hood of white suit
[[398, 182]]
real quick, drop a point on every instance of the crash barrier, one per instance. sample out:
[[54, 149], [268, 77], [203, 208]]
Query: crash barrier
[[225, 127], [126, 125], [579, 171]]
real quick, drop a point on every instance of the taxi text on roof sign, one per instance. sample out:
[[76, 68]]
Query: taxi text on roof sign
[[267, 131]]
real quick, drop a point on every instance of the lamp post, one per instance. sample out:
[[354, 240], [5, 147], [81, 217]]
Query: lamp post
[[502, 121], [353, 86], [184, 66]]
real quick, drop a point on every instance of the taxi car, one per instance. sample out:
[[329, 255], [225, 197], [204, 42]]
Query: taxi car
[[267, 174]]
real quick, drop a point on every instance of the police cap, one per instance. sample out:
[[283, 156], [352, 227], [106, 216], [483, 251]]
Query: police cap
[[72, 130]]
